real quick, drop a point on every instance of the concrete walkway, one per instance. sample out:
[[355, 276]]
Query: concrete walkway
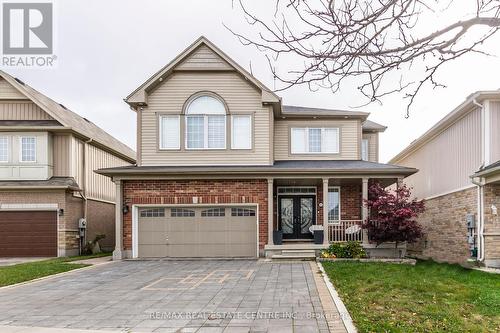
[[177, 296], [21, 260]]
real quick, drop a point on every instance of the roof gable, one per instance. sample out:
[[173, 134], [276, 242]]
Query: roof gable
[[201, 55], [7, 91], [69, 119], [203, 58]]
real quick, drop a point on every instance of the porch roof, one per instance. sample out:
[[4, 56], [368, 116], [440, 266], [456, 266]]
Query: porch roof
[[344, 167], [51, 183]]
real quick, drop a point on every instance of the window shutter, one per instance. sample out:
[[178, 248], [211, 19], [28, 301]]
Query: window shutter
[[299, 140], [241, 132], [169, 136], [330, 140]]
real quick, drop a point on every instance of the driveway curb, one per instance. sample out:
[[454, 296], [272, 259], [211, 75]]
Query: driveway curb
[[48, 277], [344, 314]]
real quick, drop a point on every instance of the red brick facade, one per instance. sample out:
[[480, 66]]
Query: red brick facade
[[183, 191], [223, 191]]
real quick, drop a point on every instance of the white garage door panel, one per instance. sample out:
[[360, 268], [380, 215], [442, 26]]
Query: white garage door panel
[[164, 233]]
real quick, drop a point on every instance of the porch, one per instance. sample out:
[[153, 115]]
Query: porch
[[300, 203]]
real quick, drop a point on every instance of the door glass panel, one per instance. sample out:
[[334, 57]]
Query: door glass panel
[[306, 214], [287, 215]]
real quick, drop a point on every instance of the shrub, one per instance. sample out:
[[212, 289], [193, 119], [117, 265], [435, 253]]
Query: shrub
[[346, 250], [393, 215]]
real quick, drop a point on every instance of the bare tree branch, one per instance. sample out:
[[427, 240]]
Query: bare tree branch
[[374, 42]]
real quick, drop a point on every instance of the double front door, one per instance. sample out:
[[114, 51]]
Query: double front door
[[296, 213]]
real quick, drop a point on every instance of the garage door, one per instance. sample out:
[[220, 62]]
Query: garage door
[[197, 232], [28, 234]]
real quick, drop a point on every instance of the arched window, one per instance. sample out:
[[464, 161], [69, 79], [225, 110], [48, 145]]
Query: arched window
[[205, 123]]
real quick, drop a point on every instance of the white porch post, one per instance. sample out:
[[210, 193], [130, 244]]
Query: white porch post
[[326, 235], [118, 252], [364, 208], [270, 211]]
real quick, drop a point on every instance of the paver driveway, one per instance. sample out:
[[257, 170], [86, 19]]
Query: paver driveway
[[172, 296]]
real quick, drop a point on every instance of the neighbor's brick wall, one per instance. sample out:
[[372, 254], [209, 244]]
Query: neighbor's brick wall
[[491, 222], [183, 191], [101, 220], [445, 227]]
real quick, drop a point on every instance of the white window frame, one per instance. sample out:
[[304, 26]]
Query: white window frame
[[21, 149], [337, 148], [336, 222], [251, 132], [160, 128], [364, 149], [8, 149], [205, 131]]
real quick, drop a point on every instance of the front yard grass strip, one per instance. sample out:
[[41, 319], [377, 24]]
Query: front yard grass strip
[[427, 297], [33, 270]]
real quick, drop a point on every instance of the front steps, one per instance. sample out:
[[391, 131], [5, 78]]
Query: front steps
[[295, 255]]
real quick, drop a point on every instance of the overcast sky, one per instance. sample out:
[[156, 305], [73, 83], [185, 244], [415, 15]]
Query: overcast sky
[[106, 49]]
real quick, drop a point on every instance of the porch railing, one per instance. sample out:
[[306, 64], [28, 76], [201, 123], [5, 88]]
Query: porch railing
[[337, 231]]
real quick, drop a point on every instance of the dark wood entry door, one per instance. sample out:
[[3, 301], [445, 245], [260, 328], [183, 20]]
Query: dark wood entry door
[[28, 234], [296, 213]]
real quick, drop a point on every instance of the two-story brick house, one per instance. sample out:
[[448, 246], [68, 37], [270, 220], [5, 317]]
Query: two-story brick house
[[459, 177], [222, 163], [47, 183]]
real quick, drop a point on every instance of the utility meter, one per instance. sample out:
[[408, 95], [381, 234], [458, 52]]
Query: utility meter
[[82, 223]]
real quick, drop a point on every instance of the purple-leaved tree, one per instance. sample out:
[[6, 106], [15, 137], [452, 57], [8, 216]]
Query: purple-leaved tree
[[393, 215]]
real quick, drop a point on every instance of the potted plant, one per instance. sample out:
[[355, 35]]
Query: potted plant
[[318, 233], [278, 237]]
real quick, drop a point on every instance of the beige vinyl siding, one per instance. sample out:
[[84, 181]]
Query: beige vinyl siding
[[203, 59], [19, 110], [240, 97], [495, 130], [349, 139], [61, 151], [447, 160], [372, 146], [7, 91], [101, 187], [69, 162]]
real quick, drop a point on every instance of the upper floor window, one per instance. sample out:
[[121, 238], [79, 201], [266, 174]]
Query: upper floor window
[[169, 132], [241, 132], [4, 149], [314, 140], [206, 123], [28, 149], [364, 150]]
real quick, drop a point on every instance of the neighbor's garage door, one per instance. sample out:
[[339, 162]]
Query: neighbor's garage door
[[197, 232], [28, 234]]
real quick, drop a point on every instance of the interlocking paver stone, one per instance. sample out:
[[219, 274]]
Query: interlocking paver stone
[[172, 296]]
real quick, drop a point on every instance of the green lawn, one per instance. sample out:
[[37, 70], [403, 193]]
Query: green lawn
[[428, 297], [33, 270]]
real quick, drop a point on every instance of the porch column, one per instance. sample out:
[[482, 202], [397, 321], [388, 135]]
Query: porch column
[[118, 252], [364, 208], [270, 211], [326, 240]]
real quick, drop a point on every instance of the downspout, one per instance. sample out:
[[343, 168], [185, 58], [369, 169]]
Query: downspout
[[85, 178], [83, 192], [480, 189]]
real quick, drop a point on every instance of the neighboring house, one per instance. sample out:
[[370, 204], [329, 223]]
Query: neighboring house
[[459, 178], [222, 164], [47, 183]]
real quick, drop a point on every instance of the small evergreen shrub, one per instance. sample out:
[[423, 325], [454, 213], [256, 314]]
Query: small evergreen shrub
[[345, 250]]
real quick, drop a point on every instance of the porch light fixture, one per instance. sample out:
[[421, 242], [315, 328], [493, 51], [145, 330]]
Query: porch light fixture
[[125, 209], [61, 212]]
